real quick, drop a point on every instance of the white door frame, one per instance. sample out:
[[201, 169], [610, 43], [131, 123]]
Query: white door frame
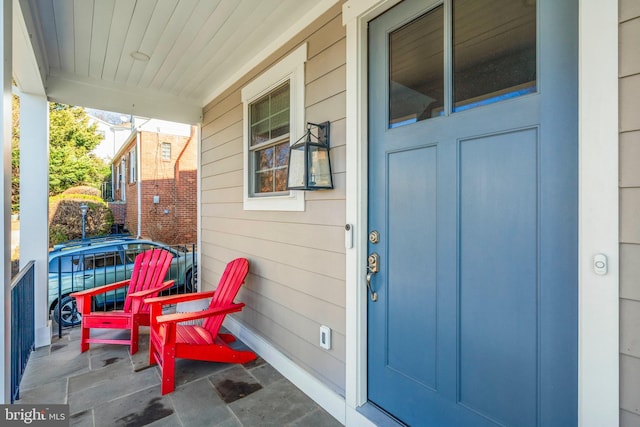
[[598, 352]]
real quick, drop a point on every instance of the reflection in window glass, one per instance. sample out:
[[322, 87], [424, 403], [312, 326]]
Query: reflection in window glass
[[67, 264], [269, 116], [416, 70], [494, 51], [132, 250], [270, 165], [269, 126]]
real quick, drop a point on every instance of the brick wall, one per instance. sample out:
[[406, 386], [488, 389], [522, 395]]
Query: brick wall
[[119, 211], [131, 222], [187, 206], [168, 185]]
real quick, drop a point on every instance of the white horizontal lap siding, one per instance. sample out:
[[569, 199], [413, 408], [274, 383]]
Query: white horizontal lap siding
[[323, 366], [297, 259], [629, 32]]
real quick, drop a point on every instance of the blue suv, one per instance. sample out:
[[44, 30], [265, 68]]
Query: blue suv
[[89, 263]]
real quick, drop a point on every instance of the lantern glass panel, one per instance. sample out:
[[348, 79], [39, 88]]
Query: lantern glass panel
[[296, 167], [319, 169]]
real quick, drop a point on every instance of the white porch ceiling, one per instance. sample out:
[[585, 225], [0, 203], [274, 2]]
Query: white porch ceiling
[[83, 48]]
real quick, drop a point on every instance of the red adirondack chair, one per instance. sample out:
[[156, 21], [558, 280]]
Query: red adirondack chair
[[146, 280], [170, 340]]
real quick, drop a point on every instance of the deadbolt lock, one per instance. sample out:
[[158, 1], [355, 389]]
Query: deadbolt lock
[[374, 261], [374, 237]]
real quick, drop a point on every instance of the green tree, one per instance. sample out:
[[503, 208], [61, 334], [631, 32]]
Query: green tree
[[71, 138], [15, 154]]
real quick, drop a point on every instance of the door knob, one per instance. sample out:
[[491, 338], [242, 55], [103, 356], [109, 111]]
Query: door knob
[[372, 268]]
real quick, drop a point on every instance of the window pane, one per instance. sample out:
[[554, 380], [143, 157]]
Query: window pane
[[260, 110], [416, 70], [281, 164], [280, 124], [269, 116], [270, 166], [281, 179], [260, 133], [89, 262], [280, 99], [166, 151], [494, 51], [264, 159], [263, 167], [264, 182], [282, 154]]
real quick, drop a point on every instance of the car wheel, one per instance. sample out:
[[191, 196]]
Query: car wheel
[[69, 315], [190, 280]]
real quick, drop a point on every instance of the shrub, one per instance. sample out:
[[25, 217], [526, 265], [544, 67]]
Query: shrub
[[65, 218], [83, 189]]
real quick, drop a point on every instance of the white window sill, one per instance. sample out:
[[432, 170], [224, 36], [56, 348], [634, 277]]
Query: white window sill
[[293, 202]]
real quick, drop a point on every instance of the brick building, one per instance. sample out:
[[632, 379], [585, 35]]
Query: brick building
[[154, 182]]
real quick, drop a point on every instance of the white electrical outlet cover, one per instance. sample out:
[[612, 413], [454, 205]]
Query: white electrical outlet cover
[[325, 337]]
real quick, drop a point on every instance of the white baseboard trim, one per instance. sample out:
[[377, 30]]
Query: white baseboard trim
[[329, 400]]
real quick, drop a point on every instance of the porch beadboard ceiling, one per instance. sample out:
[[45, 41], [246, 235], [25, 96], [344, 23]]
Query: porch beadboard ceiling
[[84, 48]]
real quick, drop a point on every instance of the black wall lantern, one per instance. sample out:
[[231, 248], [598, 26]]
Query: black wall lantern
[[309, 163]]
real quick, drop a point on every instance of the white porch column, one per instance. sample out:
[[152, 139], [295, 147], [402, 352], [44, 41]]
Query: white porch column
[[5, 248], [34, 203]]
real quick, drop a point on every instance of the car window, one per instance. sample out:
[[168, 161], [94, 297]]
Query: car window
[[106, 256], [133, 249], [66, 264], [140, 246], [107, 259]]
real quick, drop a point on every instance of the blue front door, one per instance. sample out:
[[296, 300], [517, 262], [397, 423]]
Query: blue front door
[[472, 191]]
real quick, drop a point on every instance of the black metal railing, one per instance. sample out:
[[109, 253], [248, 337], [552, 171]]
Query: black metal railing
[[73, 273], [22, 325]]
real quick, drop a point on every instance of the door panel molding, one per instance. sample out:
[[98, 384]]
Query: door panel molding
[[598, 386]]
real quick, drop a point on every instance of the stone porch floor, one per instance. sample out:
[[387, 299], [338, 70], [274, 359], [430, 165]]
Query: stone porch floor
[[107, 387]]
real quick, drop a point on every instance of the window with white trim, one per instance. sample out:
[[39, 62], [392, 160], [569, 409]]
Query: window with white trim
[[269, 142], [273, 121], [132, 166], [122, 177], [166, 151]]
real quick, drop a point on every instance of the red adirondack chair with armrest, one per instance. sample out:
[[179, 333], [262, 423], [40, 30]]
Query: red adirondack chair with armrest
[[170, 340], [146, 280]]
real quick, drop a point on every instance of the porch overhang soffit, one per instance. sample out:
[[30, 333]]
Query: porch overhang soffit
[[157, 58]]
